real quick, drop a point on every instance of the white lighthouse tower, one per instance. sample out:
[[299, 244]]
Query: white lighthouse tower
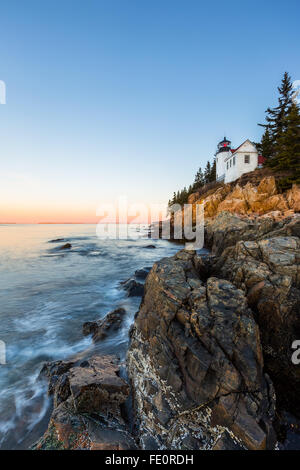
[[223, 151]]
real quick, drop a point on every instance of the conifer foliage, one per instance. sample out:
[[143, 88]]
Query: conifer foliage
[[280, 143], [202, 178]]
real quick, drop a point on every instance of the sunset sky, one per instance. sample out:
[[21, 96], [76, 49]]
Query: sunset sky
[[130, 97]]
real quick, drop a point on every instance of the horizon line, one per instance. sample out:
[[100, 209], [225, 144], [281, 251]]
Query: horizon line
[[69, 223]]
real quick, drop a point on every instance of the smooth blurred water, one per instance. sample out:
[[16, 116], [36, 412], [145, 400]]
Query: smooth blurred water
[[45, 296]]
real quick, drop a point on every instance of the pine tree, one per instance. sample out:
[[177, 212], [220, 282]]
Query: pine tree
[[276, 116], [199, 179], [207, 172], [266, 147], [288, 153], [213, 173], [181, 197]]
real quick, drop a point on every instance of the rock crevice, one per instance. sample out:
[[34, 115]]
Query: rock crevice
[[199, 347]]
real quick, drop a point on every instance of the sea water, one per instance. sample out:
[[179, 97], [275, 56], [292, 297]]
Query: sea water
[[46, 294]]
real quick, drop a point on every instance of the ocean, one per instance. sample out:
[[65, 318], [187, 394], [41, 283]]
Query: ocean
[[46, 294]]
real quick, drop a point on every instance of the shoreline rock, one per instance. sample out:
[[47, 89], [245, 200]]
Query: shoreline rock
[[87, 406], [209, 359], [196, 364], [101, 328], [142, 273], [133, 288], [66, 246]]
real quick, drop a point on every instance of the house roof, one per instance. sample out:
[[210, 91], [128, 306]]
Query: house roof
[[235, 150]]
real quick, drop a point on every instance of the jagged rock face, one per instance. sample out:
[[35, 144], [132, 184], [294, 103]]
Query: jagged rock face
[[249, 199], [212, 202], [260, 199], [87, 399], [227, 229], [268, 271], [196, 363], [293, 198]]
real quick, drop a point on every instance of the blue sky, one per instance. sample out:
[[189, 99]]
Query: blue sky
[[130, 97]]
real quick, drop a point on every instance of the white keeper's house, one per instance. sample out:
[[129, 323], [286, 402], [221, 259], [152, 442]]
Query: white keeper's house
[[233, 163]]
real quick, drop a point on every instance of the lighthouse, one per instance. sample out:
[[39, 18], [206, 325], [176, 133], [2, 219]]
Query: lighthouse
[[233, 163], [223, 151]]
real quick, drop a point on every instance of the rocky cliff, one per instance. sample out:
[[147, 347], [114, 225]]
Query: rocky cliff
[[210, 357], [246, 197], [196, 364]]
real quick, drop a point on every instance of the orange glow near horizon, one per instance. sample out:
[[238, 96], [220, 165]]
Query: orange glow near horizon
[[28, 199], [39, 216], [63, 215]]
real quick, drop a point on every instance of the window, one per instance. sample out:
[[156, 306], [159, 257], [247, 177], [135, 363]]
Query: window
[[227, 165], [247, 159], [230, 162], [233, 161]]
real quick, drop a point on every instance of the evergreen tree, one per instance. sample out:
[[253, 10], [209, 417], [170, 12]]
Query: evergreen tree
[[288, 153], [275, 119], [181, 197], [207, 172], [213, 173], [199, 179], [266, 147]]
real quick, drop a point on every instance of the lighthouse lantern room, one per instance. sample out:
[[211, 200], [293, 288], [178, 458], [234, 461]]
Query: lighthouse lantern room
[[224, 150]]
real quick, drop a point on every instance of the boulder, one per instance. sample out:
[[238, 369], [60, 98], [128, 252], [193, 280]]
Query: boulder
[[53, 371], [66, 246], [133, 288], [267, 186], [101, 328], [87, 400], [69, 431], [212, 201], [227, 229], [142, 273], [196, 364], [237, 206], [293, 198], [268, 271]]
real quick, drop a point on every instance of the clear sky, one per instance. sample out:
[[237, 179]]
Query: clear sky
[[130, 97]]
